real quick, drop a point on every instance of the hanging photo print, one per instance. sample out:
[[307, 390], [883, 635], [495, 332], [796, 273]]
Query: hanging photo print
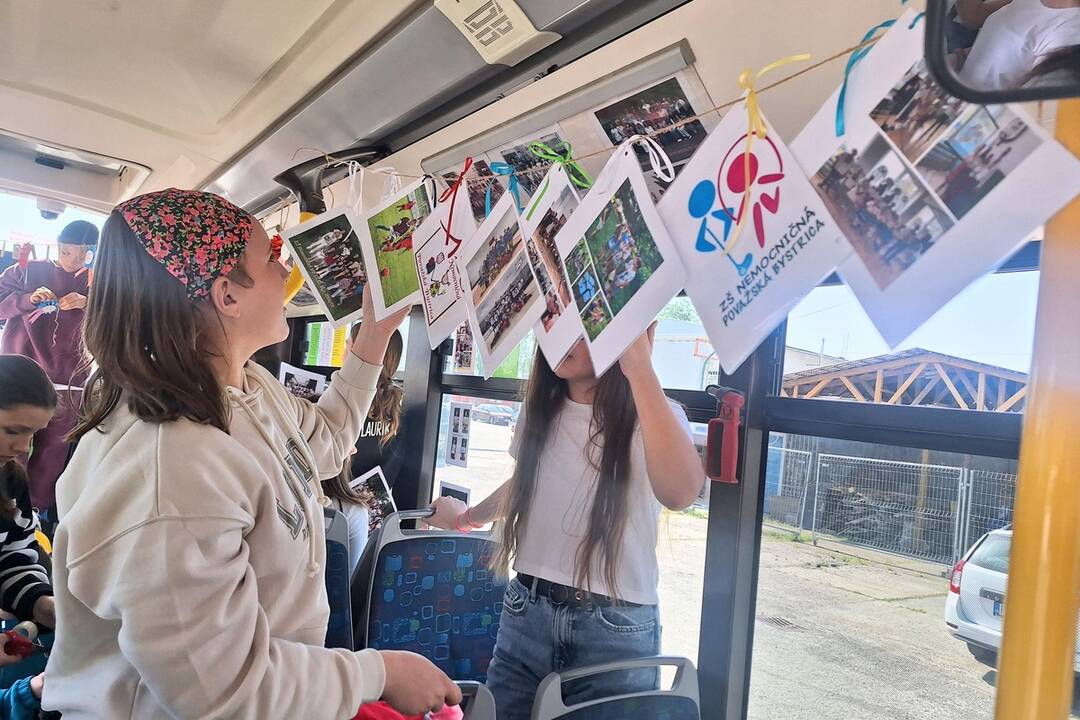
[[386, 237], [560, 326], [328, 251], [528, 168], [375, 491], [503, 296], [622, 266], [480, 185], [457, 449], [463, 350], [301, 383], [744, 284], [917, 181], [441, 286]]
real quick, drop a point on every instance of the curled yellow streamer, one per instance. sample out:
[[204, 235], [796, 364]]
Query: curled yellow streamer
[[755, 127]]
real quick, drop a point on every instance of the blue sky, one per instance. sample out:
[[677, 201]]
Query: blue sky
[[993, 321]]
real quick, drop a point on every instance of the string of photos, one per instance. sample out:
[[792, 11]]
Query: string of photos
[[893, 184]]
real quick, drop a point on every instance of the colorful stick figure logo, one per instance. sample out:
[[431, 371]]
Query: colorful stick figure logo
[[733, 181]]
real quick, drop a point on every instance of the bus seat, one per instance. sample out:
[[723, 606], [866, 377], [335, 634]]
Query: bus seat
[[681, 702], [339, 632], [477, 702], [430, 592]]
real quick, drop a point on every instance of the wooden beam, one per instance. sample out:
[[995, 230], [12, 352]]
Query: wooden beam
[[814, 391], [952, 388], [980, 399], [783, 392], [968, 386], [926, 390], [809, 375], [852, 389], [795, 390], [907, 383], [1002, 383], [879, 385], [1017, 397]]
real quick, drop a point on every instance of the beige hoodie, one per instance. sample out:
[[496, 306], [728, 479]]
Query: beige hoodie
[[188, 563]]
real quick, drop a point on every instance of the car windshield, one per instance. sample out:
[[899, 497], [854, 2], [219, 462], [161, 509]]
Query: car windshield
[[993, 554]]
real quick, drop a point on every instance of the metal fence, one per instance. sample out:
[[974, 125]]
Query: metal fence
[[933, 512]]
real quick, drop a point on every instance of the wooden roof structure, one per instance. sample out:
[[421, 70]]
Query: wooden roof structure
[[914, 377]]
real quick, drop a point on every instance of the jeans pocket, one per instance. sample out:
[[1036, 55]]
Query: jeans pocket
[[628, 619], [515, 599]]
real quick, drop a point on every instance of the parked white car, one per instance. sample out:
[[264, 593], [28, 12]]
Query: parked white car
[[975, 608]]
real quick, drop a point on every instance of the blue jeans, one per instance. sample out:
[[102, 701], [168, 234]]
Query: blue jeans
[[537, 637]]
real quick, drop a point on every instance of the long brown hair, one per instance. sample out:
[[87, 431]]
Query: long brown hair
[[614, 417], [387, 403], [22, 382], [338, 487], [148, 340]]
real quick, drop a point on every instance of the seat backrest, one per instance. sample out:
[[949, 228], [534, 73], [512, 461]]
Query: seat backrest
[[681, 702], [477, 702], [339, 632], [433, 593]]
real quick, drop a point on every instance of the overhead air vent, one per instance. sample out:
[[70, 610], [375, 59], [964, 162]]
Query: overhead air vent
[[37, 169]]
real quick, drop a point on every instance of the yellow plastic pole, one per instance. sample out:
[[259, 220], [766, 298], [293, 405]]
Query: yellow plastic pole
[[296, 280], [1036, 664]]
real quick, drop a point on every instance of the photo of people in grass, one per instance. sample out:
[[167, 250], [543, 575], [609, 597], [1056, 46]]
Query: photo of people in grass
[[494, 255], [391, 230], [916, 112], [884, 209], [652, 110], [330, 255], [613, 260]]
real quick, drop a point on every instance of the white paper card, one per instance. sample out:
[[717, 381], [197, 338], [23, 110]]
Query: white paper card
[[744, 285], [300, 382], [464, 360], [387, 240], [622, 265], [441, 286], [560, 325], [503, 296], [932, 192], [457, 445], [327, 249]]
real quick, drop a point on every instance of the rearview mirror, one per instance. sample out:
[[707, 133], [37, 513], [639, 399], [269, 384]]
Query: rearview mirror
[[996, 51]]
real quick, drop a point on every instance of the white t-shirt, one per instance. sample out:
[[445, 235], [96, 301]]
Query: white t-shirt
[[559, 516], [1014, 40], [356, 514]]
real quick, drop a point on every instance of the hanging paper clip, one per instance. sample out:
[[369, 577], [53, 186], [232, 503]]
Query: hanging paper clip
[[573, 168], [507, 170], [450, 195]]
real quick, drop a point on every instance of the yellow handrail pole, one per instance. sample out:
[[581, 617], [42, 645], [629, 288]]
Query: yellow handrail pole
[[1036, 663], [296, 280]]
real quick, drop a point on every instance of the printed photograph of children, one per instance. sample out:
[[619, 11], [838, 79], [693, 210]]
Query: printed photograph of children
[[478, 181], [372, 487], [528, 168], [391, 232], [545, 257], [498, 249], [330, 253], [916, 112], [504, 307], [977, 153], [652, 110], [612, 261], [883, 208], [463, 349]]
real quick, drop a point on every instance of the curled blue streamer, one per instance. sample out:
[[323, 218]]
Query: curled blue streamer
[[501, 168], [851, 63]]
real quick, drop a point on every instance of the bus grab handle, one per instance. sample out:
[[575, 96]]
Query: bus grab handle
[[722, 444]]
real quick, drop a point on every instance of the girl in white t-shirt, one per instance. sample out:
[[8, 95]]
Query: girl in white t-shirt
[[596, 460]]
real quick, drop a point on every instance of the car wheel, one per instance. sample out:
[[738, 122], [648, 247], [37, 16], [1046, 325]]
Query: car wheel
[[983, 655]]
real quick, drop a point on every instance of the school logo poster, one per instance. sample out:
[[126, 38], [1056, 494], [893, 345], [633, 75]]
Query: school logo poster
[[744, 284], [918, 180]]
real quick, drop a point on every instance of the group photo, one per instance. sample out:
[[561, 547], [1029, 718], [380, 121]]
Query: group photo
[[494, 255], [331, 256], [916, 112], [651, 111], [502, 310]]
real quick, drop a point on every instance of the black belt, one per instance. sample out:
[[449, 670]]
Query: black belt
[[566, 595]]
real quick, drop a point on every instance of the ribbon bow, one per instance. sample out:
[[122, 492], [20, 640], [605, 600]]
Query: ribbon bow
[[507, 170], [573, 168], [450, 195], [756, 126]]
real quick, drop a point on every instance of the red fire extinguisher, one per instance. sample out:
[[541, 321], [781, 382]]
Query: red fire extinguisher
[[722, 445]]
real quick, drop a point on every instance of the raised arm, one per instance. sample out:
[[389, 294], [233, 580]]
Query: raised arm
[[671, 460], [14, 295]]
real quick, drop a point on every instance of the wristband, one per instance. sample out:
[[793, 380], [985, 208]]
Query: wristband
[[469, 524], [469, 520]]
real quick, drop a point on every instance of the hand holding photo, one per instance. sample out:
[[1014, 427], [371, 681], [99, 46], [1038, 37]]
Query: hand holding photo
[[386, 238], [328, 252]]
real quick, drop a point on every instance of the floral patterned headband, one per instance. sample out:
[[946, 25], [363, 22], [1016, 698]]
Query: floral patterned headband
[[196, 236]]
